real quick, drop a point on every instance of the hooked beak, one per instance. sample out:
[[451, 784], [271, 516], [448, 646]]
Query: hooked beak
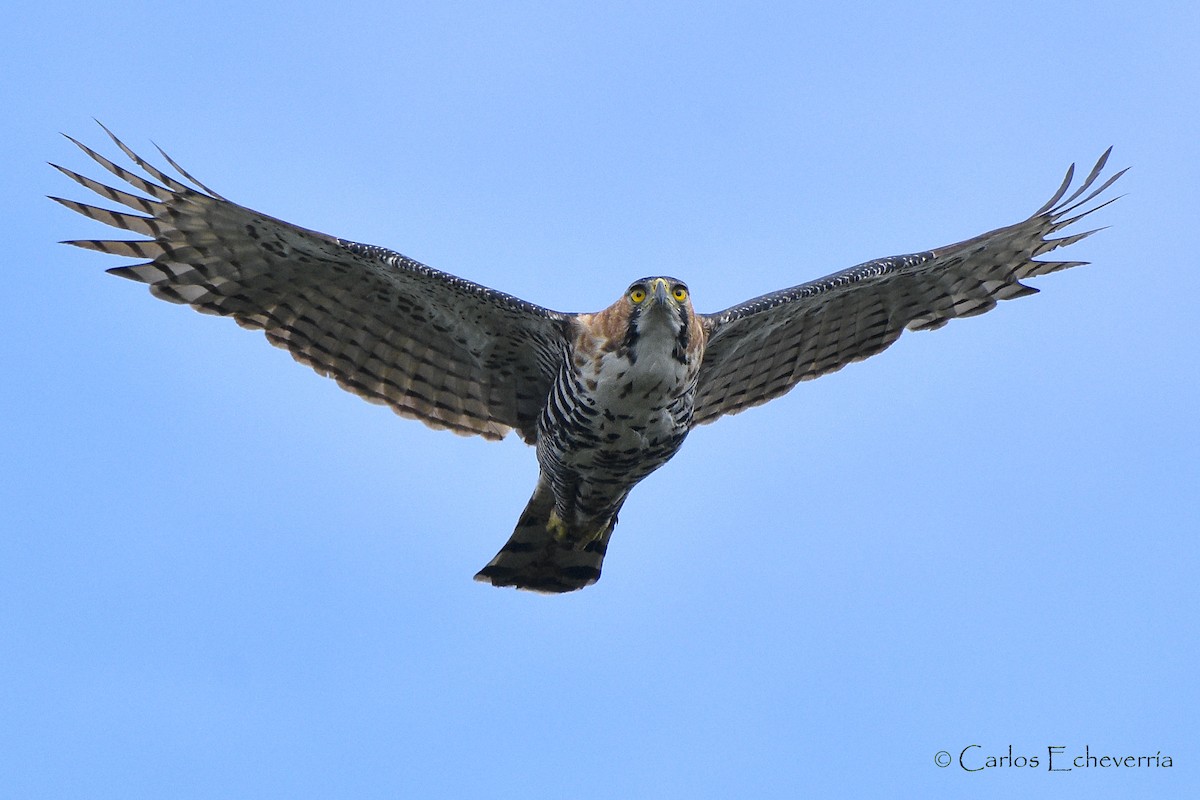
[[660, 292]]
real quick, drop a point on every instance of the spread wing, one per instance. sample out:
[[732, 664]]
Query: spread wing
[[760, 349], [432, 346]]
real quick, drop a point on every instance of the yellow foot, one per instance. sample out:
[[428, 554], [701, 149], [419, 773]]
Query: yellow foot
[[556, 527], [603, 529]]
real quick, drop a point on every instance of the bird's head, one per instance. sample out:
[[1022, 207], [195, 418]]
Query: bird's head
[[654, 316], [660, 310], [653, 301]]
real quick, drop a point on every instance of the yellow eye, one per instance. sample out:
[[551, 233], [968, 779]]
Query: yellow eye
[[637, 295], [680, 293]]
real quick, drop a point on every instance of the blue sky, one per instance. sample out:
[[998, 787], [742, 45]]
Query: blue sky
[[222, 576]]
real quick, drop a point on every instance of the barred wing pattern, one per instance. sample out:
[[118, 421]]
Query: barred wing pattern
[[760, 349], [434, 347]]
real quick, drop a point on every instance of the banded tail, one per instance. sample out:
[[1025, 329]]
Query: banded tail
[[534, 559]]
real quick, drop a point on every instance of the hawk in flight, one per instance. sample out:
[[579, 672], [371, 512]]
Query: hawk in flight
[[605, 397]]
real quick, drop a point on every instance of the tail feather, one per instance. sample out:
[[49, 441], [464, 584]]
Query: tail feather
[[534, 559]]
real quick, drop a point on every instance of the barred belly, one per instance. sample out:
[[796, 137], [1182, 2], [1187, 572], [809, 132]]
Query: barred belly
[[610, 421]]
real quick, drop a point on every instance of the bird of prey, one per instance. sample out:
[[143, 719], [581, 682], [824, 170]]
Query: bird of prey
[[606, 397]]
